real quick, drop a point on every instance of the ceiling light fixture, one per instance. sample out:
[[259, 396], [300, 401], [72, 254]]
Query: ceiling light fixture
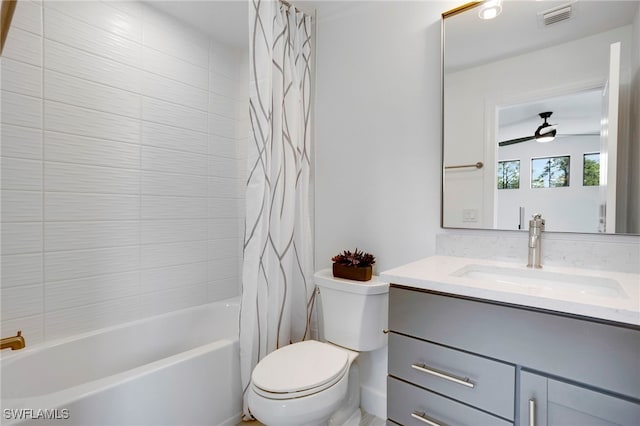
[[546, 132], [490, 9]]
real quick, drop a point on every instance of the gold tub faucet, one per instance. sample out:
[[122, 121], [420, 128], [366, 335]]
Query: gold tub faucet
[[13, 342]]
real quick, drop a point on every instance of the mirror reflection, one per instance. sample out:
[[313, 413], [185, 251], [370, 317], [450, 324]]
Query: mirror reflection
[[542, 115]]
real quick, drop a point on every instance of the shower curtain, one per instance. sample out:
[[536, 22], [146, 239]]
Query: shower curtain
[[277, 284]]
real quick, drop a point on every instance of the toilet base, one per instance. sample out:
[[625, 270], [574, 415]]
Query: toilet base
[[349, 413]]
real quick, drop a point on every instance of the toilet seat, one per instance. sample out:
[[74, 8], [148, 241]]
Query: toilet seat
[[299, 369]]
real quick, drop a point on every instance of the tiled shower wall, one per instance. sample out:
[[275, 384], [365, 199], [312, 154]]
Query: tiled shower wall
[[123, 164]]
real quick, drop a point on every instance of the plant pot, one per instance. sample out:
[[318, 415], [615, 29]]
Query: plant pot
[[357, 273]]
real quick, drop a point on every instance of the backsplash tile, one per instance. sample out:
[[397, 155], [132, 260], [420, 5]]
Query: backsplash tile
[[619, 253], [122, 180]]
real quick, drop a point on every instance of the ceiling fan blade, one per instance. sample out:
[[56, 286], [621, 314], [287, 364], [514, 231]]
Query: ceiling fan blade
[[516, 140]]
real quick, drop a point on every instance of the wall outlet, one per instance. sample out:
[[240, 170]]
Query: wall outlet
[[470, 215]]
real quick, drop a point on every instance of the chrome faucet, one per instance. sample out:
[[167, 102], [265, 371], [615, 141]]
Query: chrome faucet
[[536, 226], [13, 342]]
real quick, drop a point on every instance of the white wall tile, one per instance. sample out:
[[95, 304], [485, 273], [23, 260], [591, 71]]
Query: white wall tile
[[65, 177], [174, 115], [225, 107], [103, 16], [225, 86], [166, 89], [224, 228], [21, 301], [156, 279], [64, 147], [130, 189], [66, 265], [21, 175], [226, 207], [89, 235], [73, 32], [225, 167], [222, 126], [159, 255], [85, 122], [174, 68], [20, 110], [91, 207], [224, 268], [171, 300], [68, 322], [84, 291], [157, 207], [21, 142], [225, 147], [68, 60], [170, 161], [23, 46], [21, 238], [155, 183], [163, 33], [21, 206], [31, 327], [223, 248], [21, 270], [226, 187], [83, 93], [158, 135], [170, 231], [28, 16], [20, 77]]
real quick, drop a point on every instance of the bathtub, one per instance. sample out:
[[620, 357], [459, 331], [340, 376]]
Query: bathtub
[[180, 368]]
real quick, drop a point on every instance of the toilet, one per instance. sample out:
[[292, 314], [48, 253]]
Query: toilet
[[317, 383]]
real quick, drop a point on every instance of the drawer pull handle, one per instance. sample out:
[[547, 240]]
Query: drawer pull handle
[[420, 415], [464, 381], [532, 412]]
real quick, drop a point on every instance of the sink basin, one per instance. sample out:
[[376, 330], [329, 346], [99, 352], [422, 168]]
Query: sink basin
[[582, 284]]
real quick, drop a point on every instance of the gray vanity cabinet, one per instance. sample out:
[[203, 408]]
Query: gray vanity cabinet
[[548, 402], [462, 361]]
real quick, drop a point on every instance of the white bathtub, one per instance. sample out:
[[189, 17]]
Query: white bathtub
[[180, 368]]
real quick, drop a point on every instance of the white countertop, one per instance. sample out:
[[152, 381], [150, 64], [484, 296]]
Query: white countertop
[[435, 273]]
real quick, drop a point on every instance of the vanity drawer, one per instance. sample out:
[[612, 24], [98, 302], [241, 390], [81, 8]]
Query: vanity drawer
[[405, 399], [489, 385]]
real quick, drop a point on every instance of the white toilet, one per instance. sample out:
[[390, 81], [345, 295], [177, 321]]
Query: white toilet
[[315, 383]]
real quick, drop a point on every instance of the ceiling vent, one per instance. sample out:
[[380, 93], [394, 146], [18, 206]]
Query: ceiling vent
[[557, 14]]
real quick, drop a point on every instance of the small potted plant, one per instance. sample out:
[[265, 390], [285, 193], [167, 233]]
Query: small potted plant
[[356, 265]]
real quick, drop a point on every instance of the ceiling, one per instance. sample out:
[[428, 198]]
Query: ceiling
[[471, 41]]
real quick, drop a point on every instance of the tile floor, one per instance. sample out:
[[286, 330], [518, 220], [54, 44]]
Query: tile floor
[[367, 420]]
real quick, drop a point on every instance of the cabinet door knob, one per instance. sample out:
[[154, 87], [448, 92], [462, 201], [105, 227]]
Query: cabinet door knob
[[532, 412], [420, 415], [464, 381]]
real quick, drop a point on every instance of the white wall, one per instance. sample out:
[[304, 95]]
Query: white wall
[[122, 167], [577, 64], [377, 174]]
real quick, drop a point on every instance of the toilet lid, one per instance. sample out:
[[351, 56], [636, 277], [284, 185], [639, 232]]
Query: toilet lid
[[300, 368]]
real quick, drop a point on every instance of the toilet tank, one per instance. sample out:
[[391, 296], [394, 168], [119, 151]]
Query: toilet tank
[[353, 314]]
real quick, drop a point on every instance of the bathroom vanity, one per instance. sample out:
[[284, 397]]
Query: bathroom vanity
[[474, 342]]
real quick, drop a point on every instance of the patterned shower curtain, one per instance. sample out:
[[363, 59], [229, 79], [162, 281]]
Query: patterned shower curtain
[[277, 284]]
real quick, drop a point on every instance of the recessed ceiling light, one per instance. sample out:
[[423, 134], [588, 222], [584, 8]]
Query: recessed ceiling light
[[490, 9]]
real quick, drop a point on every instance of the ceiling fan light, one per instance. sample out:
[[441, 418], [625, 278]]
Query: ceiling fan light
[[543, 136], [490, 9]]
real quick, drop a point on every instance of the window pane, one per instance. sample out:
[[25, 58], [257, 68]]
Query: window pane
[[591, 169], [550, 172], [509, 174]]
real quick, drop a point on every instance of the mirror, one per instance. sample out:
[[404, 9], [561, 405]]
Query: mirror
[[541, 114]]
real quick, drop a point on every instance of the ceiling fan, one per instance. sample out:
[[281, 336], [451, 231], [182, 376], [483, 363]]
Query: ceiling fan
[[544, 133]]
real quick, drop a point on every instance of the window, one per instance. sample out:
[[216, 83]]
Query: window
[[509, 174], [550, 172], [591, 169]]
